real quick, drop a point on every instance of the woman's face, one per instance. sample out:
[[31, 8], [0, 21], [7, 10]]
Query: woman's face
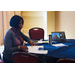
[[20, 25]]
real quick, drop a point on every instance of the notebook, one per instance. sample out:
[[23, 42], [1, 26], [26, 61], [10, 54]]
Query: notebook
[[59, 36]]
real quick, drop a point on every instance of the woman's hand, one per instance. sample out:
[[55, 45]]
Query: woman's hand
[[31, 43], [23, 47]]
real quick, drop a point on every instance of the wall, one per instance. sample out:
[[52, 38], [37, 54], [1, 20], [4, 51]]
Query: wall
[[43, 19], [34, 19], [17, 13], [65, 21], [50, 22]]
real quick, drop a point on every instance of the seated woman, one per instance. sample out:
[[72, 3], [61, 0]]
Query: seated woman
[[14, 38]]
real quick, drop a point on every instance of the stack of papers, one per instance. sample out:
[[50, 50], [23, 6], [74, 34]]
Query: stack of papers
[[59, 45], [35, 49], [40, 42]]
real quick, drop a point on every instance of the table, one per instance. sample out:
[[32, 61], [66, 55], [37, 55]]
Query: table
[[60, 52]]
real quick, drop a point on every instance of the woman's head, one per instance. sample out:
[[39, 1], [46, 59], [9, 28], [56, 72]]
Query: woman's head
[[16, 21]]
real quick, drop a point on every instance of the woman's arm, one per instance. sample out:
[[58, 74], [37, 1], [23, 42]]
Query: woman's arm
[[27, 39]]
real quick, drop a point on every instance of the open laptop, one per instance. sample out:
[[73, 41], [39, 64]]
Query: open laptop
[[59, 36]]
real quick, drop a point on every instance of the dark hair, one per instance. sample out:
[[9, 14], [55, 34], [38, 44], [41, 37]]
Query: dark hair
[[14, 21]]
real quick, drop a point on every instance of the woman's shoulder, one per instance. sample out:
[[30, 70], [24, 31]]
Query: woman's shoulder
[[8, 31]]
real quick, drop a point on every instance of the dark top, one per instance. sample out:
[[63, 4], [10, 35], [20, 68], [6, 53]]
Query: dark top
[[11, 43]]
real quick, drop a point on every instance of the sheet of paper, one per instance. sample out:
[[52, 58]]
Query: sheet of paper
[[40, 41], [39, 52], [60, 44], [34, 49]]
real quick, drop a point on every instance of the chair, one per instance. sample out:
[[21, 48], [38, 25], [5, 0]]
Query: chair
[[36, 33], [1, 61], [22, 57], [64, 60]]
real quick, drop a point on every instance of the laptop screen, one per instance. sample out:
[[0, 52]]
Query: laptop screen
[[58, 36]]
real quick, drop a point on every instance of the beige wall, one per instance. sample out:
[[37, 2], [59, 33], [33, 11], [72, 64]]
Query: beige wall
[[17, 13], [34, 19], [43, 19], [50, 22], [65, 21]]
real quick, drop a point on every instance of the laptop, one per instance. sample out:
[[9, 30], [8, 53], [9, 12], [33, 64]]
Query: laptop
[[59, 37]]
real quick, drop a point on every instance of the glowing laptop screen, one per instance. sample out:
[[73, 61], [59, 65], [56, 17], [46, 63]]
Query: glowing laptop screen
[[57, 36]]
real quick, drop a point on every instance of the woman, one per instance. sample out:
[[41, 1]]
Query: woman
[[13, 39]]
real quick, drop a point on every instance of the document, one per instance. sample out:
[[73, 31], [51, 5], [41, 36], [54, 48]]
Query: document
[[60, 45], [38, 42], [35, 49]]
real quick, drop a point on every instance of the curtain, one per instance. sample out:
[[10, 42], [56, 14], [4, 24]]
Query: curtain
[[5, 17], [1, 28]]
